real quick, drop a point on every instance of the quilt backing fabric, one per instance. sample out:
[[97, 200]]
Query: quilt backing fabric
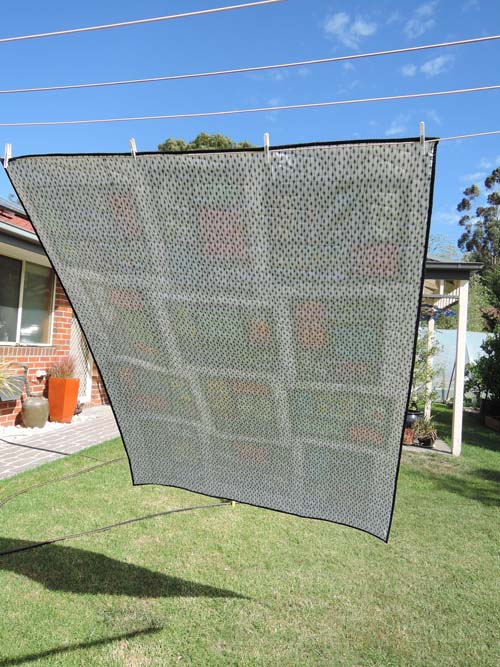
[[253, 320]]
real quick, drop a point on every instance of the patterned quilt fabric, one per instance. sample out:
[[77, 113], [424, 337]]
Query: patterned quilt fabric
[[253, 321]]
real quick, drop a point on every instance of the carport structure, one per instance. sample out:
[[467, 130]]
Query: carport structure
[[446, 284]]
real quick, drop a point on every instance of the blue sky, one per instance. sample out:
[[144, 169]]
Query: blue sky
[[292, 30]]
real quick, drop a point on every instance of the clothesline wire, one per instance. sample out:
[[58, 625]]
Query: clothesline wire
[[427, 141], [243, 70], [229, 112], [468, 136], [122, 24], [385, 143]]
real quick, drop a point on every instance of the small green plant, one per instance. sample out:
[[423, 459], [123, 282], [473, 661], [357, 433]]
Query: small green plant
[[65, 368], [425, 429], [474, 383], [423, 372], [488, 366], [6, 374]]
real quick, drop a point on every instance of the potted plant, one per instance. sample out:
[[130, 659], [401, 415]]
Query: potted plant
[[423, 374], [413, 414], [487, 369], [425, 432], [63, 390]]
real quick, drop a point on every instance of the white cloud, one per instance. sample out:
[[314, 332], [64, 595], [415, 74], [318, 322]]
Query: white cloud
[[432, 67], [348, 87], [271, 117], [437, 65], [394, 18], [348, 66], [398, 126], [485, 164], [279, 75], [470, 5], [473, 178], [433, 116], [395, 129], [409, 70], [363, 28], [450, 217], [348, 31], [303, 71], [421, 20], [337, 24]]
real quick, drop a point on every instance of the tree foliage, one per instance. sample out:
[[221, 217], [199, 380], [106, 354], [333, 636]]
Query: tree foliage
[[481, 241], [486, 371], [440, 247], [474, 383], [481, 235], [202, 142], [13, 198]]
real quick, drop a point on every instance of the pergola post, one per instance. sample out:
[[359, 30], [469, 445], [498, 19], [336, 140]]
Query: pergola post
[[429, 386], [458, 401]]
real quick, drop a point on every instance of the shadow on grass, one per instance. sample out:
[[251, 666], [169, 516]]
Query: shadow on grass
[[77, 571], [29, 659], [474, 433], [481, 485]]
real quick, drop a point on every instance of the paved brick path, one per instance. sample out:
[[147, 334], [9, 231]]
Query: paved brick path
[[23, 455]]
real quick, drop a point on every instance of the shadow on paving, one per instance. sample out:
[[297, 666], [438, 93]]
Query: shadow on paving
[[77, 571], [29, 659], [482, 485]]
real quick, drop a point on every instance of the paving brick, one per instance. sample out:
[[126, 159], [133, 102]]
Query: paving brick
[[18, 456]]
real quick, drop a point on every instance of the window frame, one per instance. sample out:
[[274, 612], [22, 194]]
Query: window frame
[[17, 342]]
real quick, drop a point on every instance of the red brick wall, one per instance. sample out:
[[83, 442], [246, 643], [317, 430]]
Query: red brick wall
[[98, 395], [42, 358]]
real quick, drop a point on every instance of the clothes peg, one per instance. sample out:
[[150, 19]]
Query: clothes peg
[[422, 136], [7, 155], [267, 153], [133, 147]]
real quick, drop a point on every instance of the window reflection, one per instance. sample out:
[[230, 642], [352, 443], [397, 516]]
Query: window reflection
[[37, 297], [10, 283]]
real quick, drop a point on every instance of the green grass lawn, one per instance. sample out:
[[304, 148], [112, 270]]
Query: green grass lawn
[[248, 586]]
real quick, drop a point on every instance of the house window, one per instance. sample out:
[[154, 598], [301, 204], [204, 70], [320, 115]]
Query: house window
[[26, 298]]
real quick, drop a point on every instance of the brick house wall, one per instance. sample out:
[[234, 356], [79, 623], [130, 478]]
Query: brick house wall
[[41, 358]]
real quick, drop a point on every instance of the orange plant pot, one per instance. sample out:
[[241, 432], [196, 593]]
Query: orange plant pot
[[63, 396]]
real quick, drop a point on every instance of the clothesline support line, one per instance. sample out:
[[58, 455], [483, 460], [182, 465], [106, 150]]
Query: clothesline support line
[[229, 112], [8, 147], [465, 136], [243, 70], [122, 24], [389, 143]]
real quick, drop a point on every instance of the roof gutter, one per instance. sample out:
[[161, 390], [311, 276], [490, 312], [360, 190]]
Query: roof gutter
[[12, 230], [451, 270]]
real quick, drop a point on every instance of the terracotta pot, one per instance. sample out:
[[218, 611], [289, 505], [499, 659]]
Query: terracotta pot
[[409, 436], [63, 396]]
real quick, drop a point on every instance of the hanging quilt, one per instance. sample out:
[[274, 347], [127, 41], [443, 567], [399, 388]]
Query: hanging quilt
[[253, 319]]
